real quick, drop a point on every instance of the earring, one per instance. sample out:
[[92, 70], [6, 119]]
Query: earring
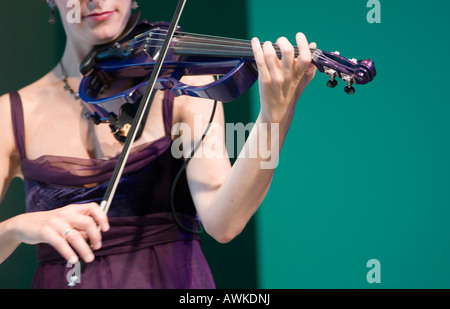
[[134, 5], [52, 5]]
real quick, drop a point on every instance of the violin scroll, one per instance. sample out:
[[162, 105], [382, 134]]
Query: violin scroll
[[351, 71]]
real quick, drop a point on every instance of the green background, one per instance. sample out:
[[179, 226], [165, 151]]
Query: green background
[[365, 176], [360, 177]]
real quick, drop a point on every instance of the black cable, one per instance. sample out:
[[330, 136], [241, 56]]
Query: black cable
[[183, 167]]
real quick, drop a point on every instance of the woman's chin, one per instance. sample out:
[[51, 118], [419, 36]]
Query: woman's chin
[[106, 31], [103, 36]]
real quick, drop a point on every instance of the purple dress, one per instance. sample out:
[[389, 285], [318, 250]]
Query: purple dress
[[144, 247]]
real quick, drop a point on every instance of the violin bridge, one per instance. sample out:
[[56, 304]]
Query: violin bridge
[[148, 44]]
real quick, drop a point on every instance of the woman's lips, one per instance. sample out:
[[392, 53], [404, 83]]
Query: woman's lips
[[100, 16]]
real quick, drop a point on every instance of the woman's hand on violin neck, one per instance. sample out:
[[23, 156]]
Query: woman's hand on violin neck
[[70, 230], [281, 81]]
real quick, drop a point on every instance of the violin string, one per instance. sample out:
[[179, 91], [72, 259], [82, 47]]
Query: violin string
[[209, 45], [189, 38], [162, 31], [219, 51], [214, 38], [192, 38], [245, 49]]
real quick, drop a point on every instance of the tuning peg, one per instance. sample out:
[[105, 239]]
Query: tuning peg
[[349, 89], [332, 74], [332, 83], [350, 81]]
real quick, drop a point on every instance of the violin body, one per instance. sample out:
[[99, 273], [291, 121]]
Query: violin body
[[121, 72], [118, 73]]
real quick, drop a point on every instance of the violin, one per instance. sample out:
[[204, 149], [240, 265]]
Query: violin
[[116, 75]]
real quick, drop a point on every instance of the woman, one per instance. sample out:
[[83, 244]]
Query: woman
[[65, 162]]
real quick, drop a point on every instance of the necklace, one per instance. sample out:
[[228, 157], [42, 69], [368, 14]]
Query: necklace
[[66, 83]]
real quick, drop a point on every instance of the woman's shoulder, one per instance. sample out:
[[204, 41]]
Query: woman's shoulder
[[30, 93], [37, 91]]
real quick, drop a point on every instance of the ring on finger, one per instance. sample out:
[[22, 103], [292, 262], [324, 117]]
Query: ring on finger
[[67, 231]]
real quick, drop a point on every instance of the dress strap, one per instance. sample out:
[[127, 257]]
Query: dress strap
[[18, 123], [168, 111]]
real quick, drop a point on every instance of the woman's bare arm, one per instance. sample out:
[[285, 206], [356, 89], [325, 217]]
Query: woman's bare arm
[[9, 167], [226, 197]]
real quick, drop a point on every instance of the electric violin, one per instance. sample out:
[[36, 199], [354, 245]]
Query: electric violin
[[116, 75]]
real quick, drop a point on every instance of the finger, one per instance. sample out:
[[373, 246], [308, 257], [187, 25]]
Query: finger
[[60, 244], [273, 63], [287, 52], [77, 241], [93, 210], [304, 57], [311, 70], [88, 228], [260, 60]]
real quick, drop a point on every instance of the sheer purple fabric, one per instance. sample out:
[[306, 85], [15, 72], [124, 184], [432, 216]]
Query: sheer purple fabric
[[144, 248]]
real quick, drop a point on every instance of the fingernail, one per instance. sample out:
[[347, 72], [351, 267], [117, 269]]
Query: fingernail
[[73, 260], [105, 227], [98, 245], [89, 258]]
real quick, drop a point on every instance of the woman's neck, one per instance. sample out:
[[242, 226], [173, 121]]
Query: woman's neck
[[72, 57]]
